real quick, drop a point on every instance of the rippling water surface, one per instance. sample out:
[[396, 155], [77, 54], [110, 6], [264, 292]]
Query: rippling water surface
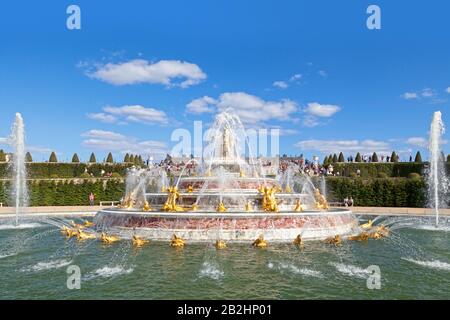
[[414, 263]]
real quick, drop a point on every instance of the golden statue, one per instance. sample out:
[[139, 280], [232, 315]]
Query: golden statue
[[336, 240], [171, 202], [321, 202], [220, 244], [108, 239], [384, 231], [221, 207], [176, 241], [190, 189], [298, 206], [127, 203], [367, 225], [260, 242], [375, 235], [194, 207], [269, 200], [248, 207], [88, 224], [288, 189], [298, 241], [208, 173], [163, 189], [147, 206], [242, 174], [81, 235], [138, 242], [68, 232], [363, 236]]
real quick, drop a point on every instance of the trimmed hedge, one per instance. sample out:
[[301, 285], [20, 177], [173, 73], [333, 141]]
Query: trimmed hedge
[[67, 170], [390, 192], [390, 169], [67, 193]]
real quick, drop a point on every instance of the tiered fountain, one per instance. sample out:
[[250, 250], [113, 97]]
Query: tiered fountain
[[227, 198]]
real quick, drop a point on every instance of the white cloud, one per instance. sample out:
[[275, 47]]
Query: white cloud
[[322, 110], [116, 142], [201, 105], [322, 73], [349, 146], [295, 77], [103, 134], [417, 141], [137, 113], [427, 93], [3, 140], [288, 132], [102, 117], [448, 90], [166, 72], [310, 121], [410, 95], [280, 84], [251, 109]]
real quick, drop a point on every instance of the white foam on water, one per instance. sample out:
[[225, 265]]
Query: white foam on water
[[2, 256], [108, 272], [20, 226], [295, 270], [210, 270], [46, 265], [351, 270], [434, 264]]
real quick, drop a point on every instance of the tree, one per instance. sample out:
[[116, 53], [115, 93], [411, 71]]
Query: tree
[[418, 157], [53, 158], [341, 157], [374, 157], [109, 158], [131, 159], [325, 161], [127, 158], [335, 158], [2, 156], [358, 157], [92, 158], [75, 158], [394, 157], [448, 158], [28, 157]]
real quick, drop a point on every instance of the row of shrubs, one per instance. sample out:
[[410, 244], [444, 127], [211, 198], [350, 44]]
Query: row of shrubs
[[68, 170], [381, 170], [67, 193], [391, 192], [398, 192]]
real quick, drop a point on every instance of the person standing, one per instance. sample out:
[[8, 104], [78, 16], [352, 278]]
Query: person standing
[[91, 199]]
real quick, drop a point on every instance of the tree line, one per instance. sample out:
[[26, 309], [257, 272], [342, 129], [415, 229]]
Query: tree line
[[334, 158], [128, 158]]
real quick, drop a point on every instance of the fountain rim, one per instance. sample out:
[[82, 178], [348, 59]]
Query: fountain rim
[[229, 215]]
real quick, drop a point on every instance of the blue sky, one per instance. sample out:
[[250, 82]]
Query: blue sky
[[137, 70]]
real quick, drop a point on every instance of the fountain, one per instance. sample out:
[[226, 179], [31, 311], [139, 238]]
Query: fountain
[[228, 198], [19, 191], [437, 179]]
